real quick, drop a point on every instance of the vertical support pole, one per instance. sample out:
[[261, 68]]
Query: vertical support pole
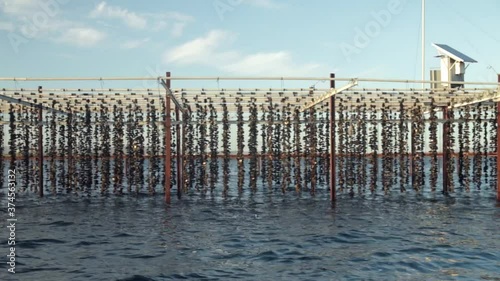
[[185, 119], [259, 165], [446, 156], [413, 151], [178, 152], [332, 143], [71, 172], [412, 157], [498, 144], [127, 161], [168, 148], [40, 151], [423, 44]]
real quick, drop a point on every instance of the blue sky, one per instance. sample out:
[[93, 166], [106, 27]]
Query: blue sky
[[358, 38]]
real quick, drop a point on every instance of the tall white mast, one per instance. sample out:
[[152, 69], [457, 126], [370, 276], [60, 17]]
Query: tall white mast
[[423, 43]]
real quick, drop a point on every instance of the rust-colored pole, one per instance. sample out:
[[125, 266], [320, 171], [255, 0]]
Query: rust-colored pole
[[498, 150], [168, 148], [332, 143], [179, 152], [183, 151], [498, 146], [446, 156], [412, 158], [412, 147], [40, 151]]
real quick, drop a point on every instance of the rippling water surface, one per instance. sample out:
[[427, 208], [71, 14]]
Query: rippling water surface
[[258, 237]]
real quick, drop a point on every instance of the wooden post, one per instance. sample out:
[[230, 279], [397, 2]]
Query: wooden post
[[498, 145], [412, 157], [168, 148], [40, 151], [498, 149], [413, 153], [332, 143], [178, 152], [185, 119], [446, 128]]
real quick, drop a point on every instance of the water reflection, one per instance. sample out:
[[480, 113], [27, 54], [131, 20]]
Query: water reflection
[[260, 236]]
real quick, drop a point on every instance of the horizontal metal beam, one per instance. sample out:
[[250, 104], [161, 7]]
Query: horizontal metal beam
[[442, 91], [394, 107], [30, 104], [329, 94], [218, 78], [478, 99], [260, 122]]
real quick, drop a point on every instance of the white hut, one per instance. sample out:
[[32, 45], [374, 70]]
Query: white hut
[[452, 66]]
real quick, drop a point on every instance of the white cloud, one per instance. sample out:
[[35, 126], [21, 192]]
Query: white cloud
[[19, 7], [200, 50], [7, 26], [175, 16], [177, 29], [82, 37], [276, 63], [50, 29], [131, 19], [133, 44], [172, 22], [45, 20], [160, 25], [35, 19], [211, 50]]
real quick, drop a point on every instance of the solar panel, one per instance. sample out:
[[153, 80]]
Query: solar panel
[[456, 55]]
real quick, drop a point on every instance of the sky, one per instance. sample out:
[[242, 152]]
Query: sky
[[357, 38]]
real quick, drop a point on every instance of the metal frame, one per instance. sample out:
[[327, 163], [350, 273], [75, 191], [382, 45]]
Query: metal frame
[[170, 95], [243, 78], [330, 94], [30, 104]]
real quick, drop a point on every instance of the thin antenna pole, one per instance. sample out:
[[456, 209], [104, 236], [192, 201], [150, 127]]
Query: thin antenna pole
[[423, 43]]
